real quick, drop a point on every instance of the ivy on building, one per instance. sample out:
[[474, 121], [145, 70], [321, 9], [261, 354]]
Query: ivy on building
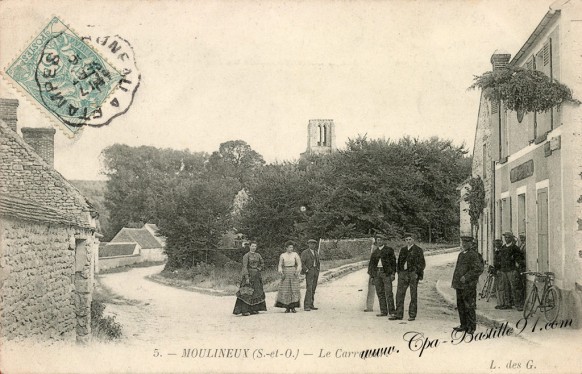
[[523, 90], [476, 199]]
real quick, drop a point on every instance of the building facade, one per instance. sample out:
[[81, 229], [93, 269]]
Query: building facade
[[531, 163], [47, 240]]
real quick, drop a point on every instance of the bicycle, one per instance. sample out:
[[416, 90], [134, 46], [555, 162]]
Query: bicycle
[[488, 287], [549, 303]]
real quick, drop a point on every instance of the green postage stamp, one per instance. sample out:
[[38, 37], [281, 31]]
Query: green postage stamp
[[65, 75]]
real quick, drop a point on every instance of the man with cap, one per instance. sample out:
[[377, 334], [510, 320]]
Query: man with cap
[[310, 267], [410, 270], [513, 255], [382, 268], [467, 271]]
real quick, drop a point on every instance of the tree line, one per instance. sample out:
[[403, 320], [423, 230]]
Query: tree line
[[372, 185]]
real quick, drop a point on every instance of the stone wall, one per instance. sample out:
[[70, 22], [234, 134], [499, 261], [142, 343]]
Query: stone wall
[[46, 281], [106, 263], [8, 112], [43, 142]]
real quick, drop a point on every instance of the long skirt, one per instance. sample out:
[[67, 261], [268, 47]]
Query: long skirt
[[254, 302], [503, 289], [289, 294]]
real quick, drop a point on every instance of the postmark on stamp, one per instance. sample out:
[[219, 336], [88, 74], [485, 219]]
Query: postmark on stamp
[[66, 76], [119, 52]]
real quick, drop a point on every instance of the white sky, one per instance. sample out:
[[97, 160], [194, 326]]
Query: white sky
[[259, 70]]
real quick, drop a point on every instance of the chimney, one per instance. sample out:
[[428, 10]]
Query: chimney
[[8, 108], [500, 59], [42, 139]]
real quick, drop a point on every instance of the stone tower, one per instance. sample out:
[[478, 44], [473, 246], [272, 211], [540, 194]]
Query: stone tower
[[320, 137]]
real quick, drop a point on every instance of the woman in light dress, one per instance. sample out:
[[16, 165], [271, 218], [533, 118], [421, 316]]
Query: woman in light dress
[[289, 268]]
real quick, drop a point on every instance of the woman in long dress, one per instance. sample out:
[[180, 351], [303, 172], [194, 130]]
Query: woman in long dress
[[289, 268], [250, 298]]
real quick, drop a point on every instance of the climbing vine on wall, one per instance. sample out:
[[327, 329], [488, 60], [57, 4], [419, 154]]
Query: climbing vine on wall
[[476, 199], [523, 90]]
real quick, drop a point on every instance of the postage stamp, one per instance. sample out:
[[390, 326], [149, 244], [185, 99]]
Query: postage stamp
[[66, 76]]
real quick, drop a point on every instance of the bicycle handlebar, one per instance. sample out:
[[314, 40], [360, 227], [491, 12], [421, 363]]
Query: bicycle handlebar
[[547, 274]]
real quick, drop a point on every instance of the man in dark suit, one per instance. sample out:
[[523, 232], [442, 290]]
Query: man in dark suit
[[310, 267], [467, 271], [382, 268], [410, 270]]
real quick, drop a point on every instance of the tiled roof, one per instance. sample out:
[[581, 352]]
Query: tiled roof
[[117, 249], [143, 237], [25, 175], [31, 211]]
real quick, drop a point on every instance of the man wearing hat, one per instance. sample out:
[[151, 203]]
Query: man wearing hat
[[467, 271], [410, 270], [513, 255], [310, 267], [382, 268]]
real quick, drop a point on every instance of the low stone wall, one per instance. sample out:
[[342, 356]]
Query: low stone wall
[[154, 254], [106, 263], [36, 281]]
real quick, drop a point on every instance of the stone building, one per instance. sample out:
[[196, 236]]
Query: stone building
[[131, 246], [320, 137], [531, 163], [47, 239]]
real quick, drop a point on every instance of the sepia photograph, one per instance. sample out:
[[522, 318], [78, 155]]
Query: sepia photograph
[[291, 186]]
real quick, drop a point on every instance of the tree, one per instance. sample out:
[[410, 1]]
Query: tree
[[237, 159], [194, 214], [273, 210], [476, 198], [138, 176], [523, 90], [371, 186]]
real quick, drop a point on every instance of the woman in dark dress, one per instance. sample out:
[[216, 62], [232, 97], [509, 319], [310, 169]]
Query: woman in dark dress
[[250, 298]]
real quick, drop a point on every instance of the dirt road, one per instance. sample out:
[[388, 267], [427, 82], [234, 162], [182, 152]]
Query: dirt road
[[170, 330], [159, 312]]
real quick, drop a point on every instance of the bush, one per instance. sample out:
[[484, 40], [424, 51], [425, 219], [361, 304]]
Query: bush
[[105, 328], [345, 248], [233, 266]]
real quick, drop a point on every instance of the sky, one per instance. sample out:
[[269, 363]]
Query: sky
[[213, 71]]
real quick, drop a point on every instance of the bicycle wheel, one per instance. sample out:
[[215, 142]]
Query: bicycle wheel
[[483, 293], [551, 304], [530, 303], [490, 288]]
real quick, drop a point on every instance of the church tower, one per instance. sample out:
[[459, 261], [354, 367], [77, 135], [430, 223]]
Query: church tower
[[320, 137]]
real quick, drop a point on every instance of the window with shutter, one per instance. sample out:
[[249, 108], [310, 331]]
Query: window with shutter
[[494, 107], [546, 53]]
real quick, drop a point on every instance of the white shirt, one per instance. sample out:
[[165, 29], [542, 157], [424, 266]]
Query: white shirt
[[380, 260], [406, 262]]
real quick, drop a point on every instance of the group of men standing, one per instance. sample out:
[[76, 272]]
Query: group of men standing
[[382, 270], [509, 263]]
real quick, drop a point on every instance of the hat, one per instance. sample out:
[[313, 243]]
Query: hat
[[380, 236], [467, 238], [312, 241], [508, 233], [408, 235]]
